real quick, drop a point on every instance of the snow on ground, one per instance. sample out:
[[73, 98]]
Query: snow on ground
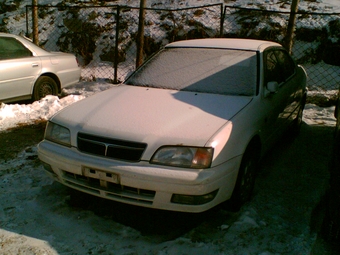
[[37, 215], [11, 115]]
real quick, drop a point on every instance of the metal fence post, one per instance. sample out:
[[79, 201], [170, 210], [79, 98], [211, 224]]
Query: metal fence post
[[26, 20], [116, 59], [222, 15]]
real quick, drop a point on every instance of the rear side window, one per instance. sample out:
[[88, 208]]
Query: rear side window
[[10, 48]]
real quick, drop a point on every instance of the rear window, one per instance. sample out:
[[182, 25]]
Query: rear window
[[218, 71]]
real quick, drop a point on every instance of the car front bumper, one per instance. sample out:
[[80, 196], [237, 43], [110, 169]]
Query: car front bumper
[[141, 184]]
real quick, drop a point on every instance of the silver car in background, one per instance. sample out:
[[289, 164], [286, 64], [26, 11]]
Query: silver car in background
[[29, 72]]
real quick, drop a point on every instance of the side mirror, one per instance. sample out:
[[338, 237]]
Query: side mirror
[[273, 86]]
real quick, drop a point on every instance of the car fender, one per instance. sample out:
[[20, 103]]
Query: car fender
[[234, 137]]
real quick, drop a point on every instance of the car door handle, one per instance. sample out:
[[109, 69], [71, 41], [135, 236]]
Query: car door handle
[[35, 65]]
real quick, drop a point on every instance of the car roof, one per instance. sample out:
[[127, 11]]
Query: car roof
[[9, 35], [18, 37], [225, 43]]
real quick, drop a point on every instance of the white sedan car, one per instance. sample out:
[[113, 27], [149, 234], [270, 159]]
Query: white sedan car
[[185, 131], [29, 72]]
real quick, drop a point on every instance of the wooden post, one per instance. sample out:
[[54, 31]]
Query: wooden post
[[288, 44], [35, 22], [140, 34]]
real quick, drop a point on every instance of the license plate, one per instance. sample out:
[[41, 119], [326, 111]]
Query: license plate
[[101, 175]]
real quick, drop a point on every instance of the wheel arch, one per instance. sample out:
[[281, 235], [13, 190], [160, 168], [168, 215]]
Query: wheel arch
[[254, 146], [237, 199], [54, 77]]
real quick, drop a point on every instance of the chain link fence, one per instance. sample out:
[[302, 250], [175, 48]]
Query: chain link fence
[[317, 35], [103, 37]]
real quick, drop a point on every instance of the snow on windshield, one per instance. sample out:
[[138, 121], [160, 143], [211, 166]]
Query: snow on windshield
[[218, 71]]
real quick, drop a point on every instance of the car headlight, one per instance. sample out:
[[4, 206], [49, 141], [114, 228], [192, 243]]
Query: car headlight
[[181, 156], [58, 134]]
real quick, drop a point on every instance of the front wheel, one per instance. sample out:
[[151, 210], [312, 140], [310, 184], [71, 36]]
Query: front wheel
[[245, 181], [44, 86]]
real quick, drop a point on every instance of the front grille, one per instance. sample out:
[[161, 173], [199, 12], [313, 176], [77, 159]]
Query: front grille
[[111, 190], [111, 148]]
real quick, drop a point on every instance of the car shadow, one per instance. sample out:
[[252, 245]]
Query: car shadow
[[160, 225], [308, 155], [21, 102]]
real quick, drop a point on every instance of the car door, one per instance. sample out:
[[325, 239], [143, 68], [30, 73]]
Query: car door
[[290, 82], [18, 69], [279, 69]]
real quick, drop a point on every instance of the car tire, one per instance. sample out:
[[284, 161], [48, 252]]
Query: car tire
[[245, 180], [44, 86], [297, 122]]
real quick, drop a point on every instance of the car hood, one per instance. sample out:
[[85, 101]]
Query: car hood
[[153, 116]]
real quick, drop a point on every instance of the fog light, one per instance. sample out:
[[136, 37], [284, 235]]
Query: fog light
[[47, 167], [193, 200]]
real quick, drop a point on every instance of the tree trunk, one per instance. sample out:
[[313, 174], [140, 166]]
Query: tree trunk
[[35, 22], [140, 35], [288, 44]]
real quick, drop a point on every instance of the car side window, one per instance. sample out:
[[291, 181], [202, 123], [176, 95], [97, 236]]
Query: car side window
[[287, 64], [279, 66], [272, 68], [10, 48]]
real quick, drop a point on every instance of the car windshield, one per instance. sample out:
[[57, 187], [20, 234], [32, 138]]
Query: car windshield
[[217, 71]]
